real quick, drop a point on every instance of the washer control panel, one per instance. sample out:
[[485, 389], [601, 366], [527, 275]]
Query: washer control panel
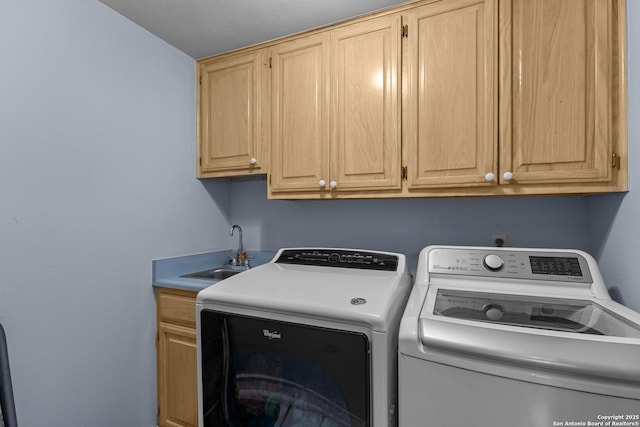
[[339, 258], [513, 264]]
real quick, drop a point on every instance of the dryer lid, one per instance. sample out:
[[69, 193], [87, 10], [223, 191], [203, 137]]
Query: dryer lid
[[369, 298]]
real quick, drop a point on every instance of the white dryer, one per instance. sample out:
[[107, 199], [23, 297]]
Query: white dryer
[[497, 337], [307, 340]]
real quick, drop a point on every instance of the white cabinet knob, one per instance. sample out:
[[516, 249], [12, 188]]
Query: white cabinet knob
[[507, 176], [253, 161], [333, 184], [489, 177], [322, 183]]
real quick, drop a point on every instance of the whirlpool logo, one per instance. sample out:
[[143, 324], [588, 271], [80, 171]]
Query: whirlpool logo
[[275, 335]]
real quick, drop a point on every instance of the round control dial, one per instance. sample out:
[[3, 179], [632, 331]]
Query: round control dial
[[493, 262]]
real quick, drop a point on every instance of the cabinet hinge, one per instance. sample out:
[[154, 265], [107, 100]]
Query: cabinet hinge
[[270, 62], [614, 160], [403, 173], [200, 80], [404, 32]]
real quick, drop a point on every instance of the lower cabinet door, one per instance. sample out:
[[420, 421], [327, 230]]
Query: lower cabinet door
[[177, 376]]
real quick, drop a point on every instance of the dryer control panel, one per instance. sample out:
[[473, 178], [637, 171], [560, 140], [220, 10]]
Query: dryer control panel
[[511, 264], [344, 258]]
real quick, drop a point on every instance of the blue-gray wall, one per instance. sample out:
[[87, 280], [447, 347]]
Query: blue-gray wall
[[407, 226], [97, 166], [97, 130]]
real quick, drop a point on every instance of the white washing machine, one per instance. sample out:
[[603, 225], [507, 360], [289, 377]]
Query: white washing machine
[[307, 340], [497, 337]]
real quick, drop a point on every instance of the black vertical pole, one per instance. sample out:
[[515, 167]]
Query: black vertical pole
[[6, 390]]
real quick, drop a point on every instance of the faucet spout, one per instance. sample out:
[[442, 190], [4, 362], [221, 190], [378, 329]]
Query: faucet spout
[[240, 250]]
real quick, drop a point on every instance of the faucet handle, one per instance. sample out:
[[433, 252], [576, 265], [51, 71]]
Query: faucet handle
[[232, 260]]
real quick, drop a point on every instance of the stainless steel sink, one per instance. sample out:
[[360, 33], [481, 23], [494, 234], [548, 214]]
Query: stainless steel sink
[[218, 273]]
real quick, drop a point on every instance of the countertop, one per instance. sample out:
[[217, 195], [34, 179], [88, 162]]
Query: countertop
[[167, 272]]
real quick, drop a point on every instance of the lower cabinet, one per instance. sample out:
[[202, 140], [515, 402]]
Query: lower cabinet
[[177, 358]]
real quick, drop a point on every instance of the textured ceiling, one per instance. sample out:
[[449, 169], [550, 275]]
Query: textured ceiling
[[202, 28]]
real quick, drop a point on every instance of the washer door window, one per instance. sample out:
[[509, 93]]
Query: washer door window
[[260, 372], [567, 315]]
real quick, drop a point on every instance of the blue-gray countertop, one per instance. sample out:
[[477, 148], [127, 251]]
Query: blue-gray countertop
[[167, 272]]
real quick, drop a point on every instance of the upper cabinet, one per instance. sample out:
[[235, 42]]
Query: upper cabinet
[[336, 111], [451, 97], [428, 99], [563, 95], [300, 114], [525, 98], [231, 114], [365, 105]]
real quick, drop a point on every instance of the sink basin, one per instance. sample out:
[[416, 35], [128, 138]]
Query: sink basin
[[218, 273]]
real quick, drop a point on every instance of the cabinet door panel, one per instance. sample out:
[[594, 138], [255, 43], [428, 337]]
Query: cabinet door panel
[[300, 120], [230, 113], [451, 118], [557, 69], [365, 147], [177, 376]]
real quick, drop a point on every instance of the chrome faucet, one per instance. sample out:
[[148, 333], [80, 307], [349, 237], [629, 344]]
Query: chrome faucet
[[238, 258]]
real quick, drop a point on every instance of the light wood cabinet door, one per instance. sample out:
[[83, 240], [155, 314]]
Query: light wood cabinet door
[[556, 96], [451, 101], [178, 376], [177, 359], [231, 114], [365, 103], [300, 121]]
